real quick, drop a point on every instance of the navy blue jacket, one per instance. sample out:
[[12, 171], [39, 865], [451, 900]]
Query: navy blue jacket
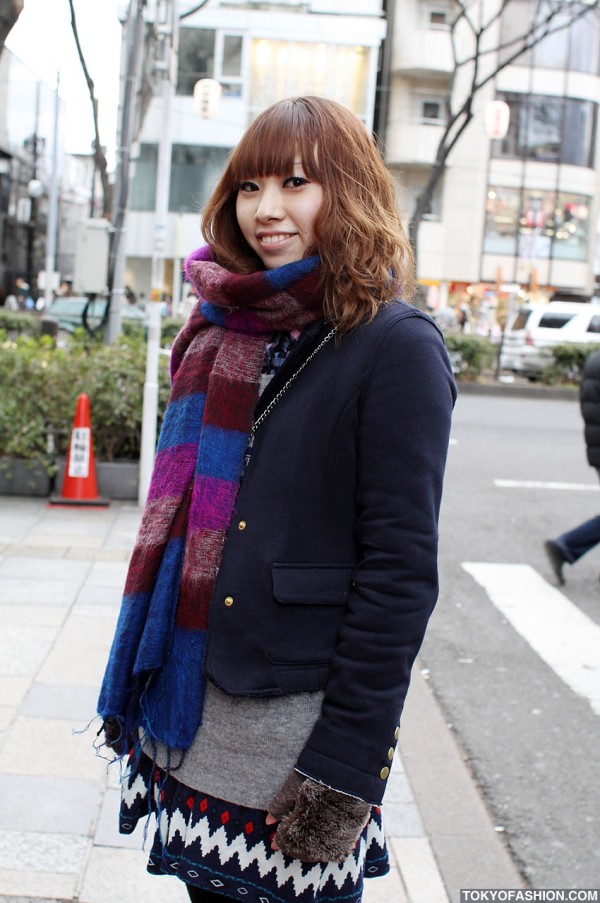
[[329, 572]]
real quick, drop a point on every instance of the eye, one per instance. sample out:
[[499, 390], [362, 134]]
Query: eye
[[295, 182], [248, 186]]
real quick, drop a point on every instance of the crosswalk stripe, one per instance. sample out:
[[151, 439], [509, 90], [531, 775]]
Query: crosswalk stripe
[[539, 484], [562, 635]]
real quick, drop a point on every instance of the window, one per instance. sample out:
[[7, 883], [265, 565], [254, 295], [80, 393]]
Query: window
[[553, 51], [432, 112], [571, 227], [554, 320], [541, 141], [501, 221], [549, 129], [536, 224], [575, 47], [513, 22], [143, 185], [584, 51], [288, 68], [205, 53], [579, 129], [229, 69], [594, 324], [521, 320], [435, 14], [196, 58], [439, 18], [194, 171]]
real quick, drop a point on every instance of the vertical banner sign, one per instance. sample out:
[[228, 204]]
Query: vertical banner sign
[[79, 459]]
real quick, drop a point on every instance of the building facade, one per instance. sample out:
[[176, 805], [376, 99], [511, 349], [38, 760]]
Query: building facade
[[521, 210], [26, 128], [260, 52], [27, 121]]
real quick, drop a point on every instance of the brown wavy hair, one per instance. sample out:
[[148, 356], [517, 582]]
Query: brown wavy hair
[[365, 253]]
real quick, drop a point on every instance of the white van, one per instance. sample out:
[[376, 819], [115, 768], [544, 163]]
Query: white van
[[535, 328]]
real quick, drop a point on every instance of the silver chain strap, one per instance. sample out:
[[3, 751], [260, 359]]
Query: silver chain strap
[[293, 377]]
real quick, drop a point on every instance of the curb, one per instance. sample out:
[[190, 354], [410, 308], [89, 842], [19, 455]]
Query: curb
[[469, 851], [506, 390]]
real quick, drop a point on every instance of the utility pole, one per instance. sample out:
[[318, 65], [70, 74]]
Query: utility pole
[[131, 58], [52, 225], [169, 30]]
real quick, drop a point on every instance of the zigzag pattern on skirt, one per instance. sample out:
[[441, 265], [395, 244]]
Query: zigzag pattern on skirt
[[226, 848]]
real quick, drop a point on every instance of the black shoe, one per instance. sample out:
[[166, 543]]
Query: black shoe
[[557, 559]]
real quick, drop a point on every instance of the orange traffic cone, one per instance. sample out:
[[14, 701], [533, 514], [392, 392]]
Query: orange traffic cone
[[79, 483]]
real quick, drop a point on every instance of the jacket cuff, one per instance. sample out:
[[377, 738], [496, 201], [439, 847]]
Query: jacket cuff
[[359, 774]]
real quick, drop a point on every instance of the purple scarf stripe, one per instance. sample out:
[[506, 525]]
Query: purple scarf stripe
[[217, 515], [173, 470]]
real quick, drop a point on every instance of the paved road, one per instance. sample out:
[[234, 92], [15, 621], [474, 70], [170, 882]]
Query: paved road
[[514, 661]]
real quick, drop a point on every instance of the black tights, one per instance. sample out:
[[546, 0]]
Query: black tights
[[199, 895]]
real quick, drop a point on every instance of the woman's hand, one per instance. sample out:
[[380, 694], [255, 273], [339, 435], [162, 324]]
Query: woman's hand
[[316, 823]]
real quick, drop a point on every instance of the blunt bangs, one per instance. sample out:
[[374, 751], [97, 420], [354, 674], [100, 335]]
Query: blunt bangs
[[272, 144]]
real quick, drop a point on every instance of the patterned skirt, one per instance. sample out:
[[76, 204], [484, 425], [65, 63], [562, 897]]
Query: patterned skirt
[[226, 848]]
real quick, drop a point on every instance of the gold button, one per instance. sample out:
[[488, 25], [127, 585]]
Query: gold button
[[383, 774], [391, 753], [228, 601], [396, 733], [242, 525]]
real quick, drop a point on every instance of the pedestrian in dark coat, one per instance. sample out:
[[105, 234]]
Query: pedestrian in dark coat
[[286, 565], [569, 547]]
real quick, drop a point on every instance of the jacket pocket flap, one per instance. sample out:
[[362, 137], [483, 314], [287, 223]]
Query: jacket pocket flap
[[312, 584]]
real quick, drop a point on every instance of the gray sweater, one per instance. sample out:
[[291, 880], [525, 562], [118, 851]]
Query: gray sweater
[[246, 746]]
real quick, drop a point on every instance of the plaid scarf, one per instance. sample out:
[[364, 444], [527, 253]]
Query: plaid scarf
[[154, 678]]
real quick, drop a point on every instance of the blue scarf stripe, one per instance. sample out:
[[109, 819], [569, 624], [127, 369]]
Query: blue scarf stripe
[[180, 426], [216, 315], [132, 616], [174, 701], [221, 453], [161, 611], [282, 276]]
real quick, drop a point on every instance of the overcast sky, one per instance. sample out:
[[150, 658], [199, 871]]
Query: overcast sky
[[42, 38]]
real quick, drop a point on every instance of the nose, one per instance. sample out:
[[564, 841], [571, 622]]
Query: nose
[[270, 204]]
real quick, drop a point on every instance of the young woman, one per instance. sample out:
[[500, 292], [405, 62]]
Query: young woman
[[285, 567]]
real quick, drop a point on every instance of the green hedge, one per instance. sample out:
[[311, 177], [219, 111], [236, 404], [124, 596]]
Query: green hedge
[[40, 388], [15, 324], [470, 355], [567, 363]]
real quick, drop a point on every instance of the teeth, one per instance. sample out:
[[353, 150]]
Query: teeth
[[274, 239]]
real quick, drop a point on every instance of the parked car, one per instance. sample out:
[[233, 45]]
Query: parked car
[[68, 312], [532, 331]]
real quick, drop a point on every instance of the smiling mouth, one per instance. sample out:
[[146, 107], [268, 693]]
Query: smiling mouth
[[275, 239]]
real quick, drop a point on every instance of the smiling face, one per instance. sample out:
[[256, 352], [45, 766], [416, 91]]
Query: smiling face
[[276, 215]]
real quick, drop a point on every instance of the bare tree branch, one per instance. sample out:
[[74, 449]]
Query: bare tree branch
[[457, 119], [99, 155], [191, 12]]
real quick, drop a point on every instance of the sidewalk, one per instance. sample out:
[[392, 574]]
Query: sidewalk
[[61, 575]]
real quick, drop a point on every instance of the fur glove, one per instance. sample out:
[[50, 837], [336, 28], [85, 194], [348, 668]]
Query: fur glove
[[317, 824]]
